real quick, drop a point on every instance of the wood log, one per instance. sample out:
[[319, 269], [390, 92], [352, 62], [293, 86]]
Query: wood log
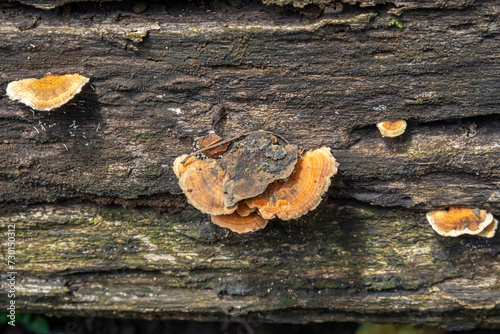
[[102, 227]]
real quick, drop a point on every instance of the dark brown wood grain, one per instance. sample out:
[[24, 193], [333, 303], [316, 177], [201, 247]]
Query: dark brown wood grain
[[156, 76]]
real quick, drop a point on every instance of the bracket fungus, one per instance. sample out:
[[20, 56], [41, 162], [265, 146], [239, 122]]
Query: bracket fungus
[[191, 162], [203, 189], [489, 231], [253, 163], [47, 93], [392, 128], [458, 221], [259, 177], [302, 191], [244, 210], [240, 224]]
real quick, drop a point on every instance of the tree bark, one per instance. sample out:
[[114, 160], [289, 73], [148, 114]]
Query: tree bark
[[78, 181]]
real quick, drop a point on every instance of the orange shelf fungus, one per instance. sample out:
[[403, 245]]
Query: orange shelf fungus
[[458, 221], [303, 190], [236, 223], [489, 231], [253, 163], [392, 128], [47, 93], [258, 178], [243, 209], [203, 189], [192, 161]]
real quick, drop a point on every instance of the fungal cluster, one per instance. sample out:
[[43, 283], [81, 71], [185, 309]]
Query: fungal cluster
[[47, 93], [259, 178]]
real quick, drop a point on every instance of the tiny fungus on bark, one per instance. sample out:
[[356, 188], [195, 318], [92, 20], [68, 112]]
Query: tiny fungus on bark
[[392, 128], [47, 93], [458, 221], [258, 178], [302, 191]]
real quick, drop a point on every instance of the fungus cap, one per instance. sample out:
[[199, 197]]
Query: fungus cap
[[203, 189], [489, 231], [392, 128], [302, 191], [243, 209], [199, 164], [239, 224], [458, 221], [253, 163], [47, 93]]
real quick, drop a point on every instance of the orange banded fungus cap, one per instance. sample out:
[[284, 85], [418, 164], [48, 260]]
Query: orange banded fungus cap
[[239, 224], [243, 209], [458, 221], [47, 93], [489, 231], [192, 161], [303, 190], [392, 128], [203, 189]]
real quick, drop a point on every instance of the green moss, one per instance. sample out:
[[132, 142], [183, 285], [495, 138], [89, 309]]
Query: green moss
[[240, 47], [283, 302], [145, 135], [331, 250], [417, 153], [151, 170], [394, 22], [418, 101], [370, 328], [125, 174]]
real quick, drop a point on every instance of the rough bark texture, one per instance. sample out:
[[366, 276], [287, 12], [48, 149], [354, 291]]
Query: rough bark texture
[[367, 253]]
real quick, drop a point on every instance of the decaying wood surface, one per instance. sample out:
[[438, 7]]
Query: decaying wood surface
[[78, 181]]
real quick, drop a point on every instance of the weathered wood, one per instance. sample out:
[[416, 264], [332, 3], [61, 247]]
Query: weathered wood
[[156, 76], [341, 262], [314, 85]]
